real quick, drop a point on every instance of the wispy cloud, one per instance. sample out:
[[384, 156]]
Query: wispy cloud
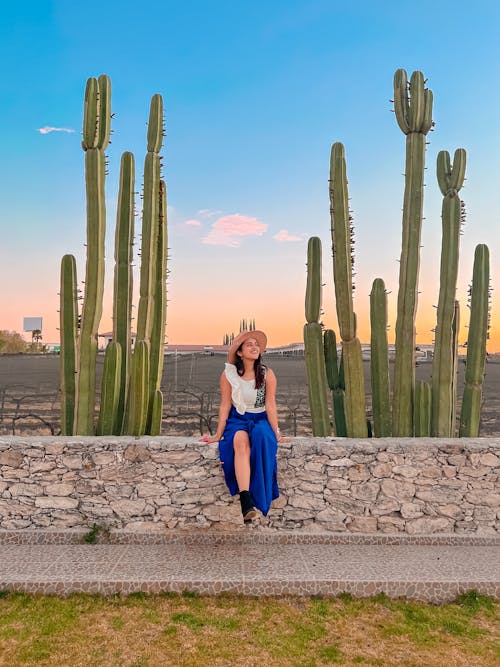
[[193, 223], [48, 129], [230, 229], [207, 213], [284, 235]]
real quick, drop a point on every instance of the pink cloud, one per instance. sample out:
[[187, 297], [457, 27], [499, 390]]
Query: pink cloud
[[284, 235], [229, 229], [193, 223]]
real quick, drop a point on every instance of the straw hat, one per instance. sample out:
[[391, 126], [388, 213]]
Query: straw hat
[[259, 336]]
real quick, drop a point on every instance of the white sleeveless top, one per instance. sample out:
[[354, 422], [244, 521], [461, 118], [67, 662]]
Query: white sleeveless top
[[244, 396]]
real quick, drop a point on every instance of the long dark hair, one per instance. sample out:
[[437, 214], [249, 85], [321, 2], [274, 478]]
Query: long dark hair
[[258, 367]]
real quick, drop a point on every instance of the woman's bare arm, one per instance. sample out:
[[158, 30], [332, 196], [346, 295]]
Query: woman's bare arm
[[271, 409], [224, 408]]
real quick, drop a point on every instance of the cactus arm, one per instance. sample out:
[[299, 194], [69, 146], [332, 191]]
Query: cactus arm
[[104, 126], [422, 409], [150, 213], [316, 379], [313, 287], [404, 368], [341, 242], [68, 315], [123, 278], [455, 330], [110, 390], [159, 308], [138, 390], [156, 415], [334, 382], [476, 344], [91, 112], [401, 104], [313, 343], [94, 288], [443, 363], [379, 360]]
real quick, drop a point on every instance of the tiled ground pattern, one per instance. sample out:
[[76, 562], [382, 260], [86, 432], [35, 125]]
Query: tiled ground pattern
[[433, 573], [248, 534]]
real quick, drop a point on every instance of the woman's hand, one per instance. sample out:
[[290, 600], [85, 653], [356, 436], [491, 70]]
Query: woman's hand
[[283, 438], [208, 439]]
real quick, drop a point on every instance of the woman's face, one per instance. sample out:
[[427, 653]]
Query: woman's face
[[250, 349]]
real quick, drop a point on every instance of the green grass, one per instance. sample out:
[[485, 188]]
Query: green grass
[[190, 630]]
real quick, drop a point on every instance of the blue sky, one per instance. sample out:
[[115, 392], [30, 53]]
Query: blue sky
[[255, 93]]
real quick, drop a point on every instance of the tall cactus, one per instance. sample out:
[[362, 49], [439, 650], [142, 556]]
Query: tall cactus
[[342, 273], [68, 315], [96, 129], [123, 279], [476, 344], [379, 360], [450, 179], [414, 117], [313, 343]]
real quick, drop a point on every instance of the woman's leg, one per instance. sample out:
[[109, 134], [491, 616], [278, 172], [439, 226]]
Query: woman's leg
[[241, 445]]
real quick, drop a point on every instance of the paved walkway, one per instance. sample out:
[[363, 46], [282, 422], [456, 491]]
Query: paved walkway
[[429, 570]]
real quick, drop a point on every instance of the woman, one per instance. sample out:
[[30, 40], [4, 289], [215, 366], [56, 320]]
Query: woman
[[247, 430]]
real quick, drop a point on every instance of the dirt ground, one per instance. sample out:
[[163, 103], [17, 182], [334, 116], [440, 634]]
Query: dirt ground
[[29, 393]]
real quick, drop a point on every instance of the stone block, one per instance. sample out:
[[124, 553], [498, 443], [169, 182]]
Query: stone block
[[21, 489], [72, 462], [393, 488], [359, 473], [307, 502], [412, 510], [381, 469], [56, 502], [59, 489], [489, 459], [12, 459], [384, 507], [151, 489], [137, 453], [363, 524], [406, 471], [365, 491], [478, 497], [128, 508], [426, 525], [176, 458], [105, 458]]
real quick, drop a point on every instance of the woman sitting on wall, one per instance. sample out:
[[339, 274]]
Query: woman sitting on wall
[[247, 430]]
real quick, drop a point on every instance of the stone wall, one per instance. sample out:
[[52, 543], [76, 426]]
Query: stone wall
[[379, 485]]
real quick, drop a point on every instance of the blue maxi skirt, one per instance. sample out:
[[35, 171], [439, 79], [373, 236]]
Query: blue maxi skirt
[[263, 449]]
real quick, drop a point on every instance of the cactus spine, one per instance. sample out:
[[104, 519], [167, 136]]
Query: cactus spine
[[450, 179], [313, 342], [138, 390], [96, 128], [476, 344], [414, 117], [379, 360], [342, 273], [68, 315]]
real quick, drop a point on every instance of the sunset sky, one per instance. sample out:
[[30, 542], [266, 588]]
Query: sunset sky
[[255, 93]]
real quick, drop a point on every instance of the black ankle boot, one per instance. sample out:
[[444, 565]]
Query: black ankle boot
[[247, 508]]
